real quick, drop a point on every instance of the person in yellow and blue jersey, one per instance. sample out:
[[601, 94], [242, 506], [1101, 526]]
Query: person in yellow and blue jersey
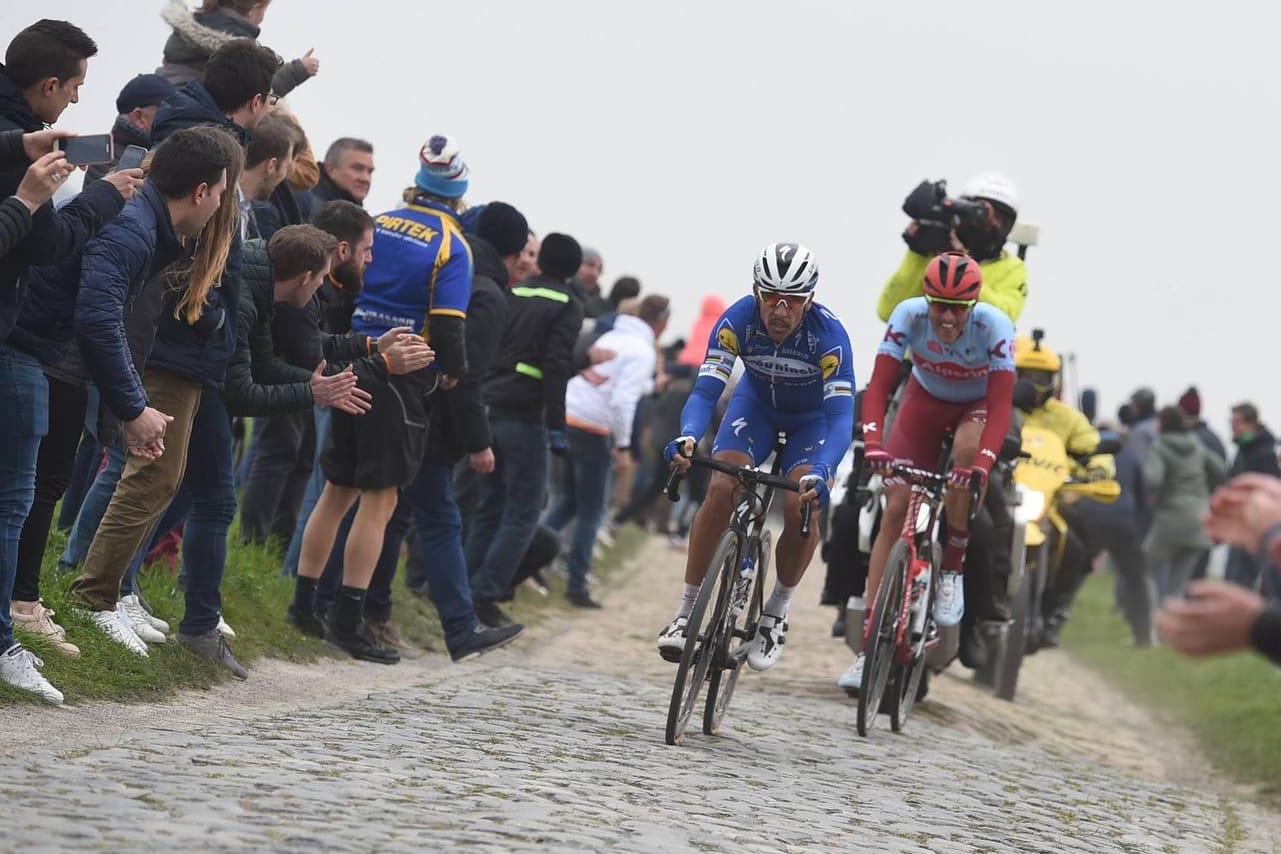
[[419, 282]]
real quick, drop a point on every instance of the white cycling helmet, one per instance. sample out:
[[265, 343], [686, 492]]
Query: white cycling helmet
[[994, 187], [786, 267]]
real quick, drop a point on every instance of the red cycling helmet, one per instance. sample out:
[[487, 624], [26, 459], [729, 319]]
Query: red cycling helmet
[[954, 277]]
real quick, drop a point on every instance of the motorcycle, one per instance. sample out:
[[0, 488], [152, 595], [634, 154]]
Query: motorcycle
[[1044, 484]]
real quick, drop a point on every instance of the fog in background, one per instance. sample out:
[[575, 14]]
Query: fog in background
[[679, 138]]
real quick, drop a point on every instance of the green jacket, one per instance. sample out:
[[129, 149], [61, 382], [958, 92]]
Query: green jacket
[[1178, 476], [1004, 284]]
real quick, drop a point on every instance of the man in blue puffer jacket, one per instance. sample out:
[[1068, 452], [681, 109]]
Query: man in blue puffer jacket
[[186, 364]]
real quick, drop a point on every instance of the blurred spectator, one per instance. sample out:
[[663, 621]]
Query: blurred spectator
[[136, 105], [1220, 617], [527, 262], [626, 288], [1256, 446], [1190, 403], [526, 396], [282, 207], [713, 306], [586, 284], [600, 407], [1178, 476], [346, 173], [197, 36]]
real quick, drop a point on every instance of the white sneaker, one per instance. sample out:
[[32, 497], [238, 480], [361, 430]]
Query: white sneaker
[[18, 668], [117, 627], [131, 612], [224, 629], [852, 678], [671, 640], [949, 599], [156, 623], [767, 646], [605, 534]]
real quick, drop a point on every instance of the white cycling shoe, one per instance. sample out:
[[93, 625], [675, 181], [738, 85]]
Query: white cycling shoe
[[949, 599], [671, 640], [852, 679], [767, 646]]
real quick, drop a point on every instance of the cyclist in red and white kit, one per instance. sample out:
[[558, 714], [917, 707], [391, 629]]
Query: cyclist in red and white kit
[[962, 380]]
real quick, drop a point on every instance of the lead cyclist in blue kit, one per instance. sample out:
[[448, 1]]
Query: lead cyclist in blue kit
[[799, 380]]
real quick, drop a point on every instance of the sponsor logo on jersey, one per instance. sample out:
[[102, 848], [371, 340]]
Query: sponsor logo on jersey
[[830, 361], [726, 338], [951, 370], [935, 347], [780, 366], [894, 337], [998, 352]]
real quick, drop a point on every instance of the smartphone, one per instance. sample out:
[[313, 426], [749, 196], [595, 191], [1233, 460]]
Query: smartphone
[[131, 158], [87, 150]]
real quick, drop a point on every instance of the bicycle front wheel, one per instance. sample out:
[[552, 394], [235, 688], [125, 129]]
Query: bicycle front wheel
[[720, 687], [878, 659], [702, 635]]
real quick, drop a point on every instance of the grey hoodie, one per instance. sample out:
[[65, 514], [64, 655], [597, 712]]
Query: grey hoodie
[[196, 35]]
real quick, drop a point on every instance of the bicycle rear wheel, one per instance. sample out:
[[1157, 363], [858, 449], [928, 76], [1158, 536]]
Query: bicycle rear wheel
[[702, 634], [879, 654], [907, 679], [720, 687]]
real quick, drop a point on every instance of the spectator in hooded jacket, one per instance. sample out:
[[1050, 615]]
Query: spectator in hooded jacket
[[526, 396], [198, 36], [1256, 452], [1190, 403], [1178, 477], [136, 105]]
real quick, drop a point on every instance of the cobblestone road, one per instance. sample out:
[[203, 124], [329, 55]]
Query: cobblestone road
[[556, 744]]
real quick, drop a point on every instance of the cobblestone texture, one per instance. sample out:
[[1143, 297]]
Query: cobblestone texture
[[557, 744]]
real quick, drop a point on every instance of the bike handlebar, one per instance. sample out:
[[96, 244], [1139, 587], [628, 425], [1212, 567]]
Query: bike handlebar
[[745, 475]]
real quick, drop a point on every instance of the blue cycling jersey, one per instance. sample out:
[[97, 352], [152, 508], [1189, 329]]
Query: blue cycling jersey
[[812, 371], [956, 372]]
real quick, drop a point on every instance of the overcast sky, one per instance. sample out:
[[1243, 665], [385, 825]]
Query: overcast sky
[[679, 138]]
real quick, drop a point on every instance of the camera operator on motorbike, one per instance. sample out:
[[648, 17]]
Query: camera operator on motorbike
[[962, 381], [978, 224], [799, 379], [1036, 391]]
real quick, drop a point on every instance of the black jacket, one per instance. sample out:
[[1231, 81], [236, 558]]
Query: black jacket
[[124, 133], [15, 219], [1258, 453], [258, 381], [1266, 633], [460, 423], [327, 191], [528, 377], [54, 235]]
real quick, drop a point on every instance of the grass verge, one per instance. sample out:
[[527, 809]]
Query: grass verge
[[254, 602], [1232, 704]]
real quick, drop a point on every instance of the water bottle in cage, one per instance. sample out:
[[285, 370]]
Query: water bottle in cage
[[743, 583]]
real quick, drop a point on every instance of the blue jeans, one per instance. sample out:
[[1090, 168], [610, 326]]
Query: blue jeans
[[94, 506], [24, 420], [210, 482], [584, 484], [440, 530], [315, 485], [507, 506]]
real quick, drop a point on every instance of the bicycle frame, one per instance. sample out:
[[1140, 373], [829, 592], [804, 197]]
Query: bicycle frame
[[918, 534]]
